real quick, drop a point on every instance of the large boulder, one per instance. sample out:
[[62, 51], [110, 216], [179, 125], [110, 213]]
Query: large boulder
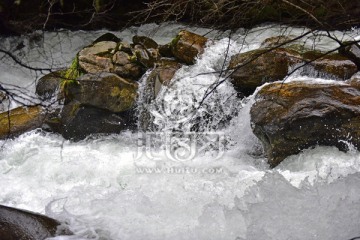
[[20, 120], [290, 117], [16, 224], [77, 121], [105, 90], [186, 46], [254, 68]]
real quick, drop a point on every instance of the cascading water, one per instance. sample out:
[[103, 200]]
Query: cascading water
[[109, 188]]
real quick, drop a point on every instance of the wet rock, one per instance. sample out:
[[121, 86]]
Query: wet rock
[[290, 117], [16, 224], [97, 57], [162, 74], [165, 51], [48, 86], [144, 41], [335, 65], [186, 46], [351, 51], [254, 68], [20, 120], [106, 91], [78, 121]]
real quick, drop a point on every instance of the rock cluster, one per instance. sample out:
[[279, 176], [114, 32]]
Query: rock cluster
[[98, 92]]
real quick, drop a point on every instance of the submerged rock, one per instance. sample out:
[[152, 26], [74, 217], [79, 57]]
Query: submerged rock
[[16, 224], [20, 120], [186, 46], [290, 117], [106, 91]]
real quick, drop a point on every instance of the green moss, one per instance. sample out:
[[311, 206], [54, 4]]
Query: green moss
[[74, 109], [175, 41], [74, 70], [70, 77], [133, 58]]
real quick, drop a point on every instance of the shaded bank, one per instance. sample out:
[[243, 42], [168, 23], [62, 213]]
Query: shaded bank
[[18, 17]]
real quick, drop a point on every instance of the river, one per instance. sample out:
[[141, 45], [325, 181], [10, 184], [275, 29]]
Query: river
[[128, 186]]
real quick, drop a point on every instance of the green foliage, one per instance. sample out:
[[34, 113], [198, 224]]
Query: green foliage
[[70, 77]]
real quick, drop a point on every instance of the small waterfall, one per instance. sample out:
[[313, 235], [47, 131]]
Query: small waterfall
[[181, 106]]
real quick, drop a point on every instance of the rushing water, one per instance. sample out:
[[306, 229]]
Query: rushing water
[[128, 187]]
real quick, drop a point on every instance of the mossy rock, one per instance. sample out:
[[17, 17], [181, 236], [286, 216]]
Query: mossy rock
[[106, 91]]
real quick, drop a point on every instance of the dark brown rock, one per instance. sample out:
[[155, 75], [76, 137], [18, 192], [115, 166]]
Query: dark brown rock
[[335, 65], [16, 224], [144, 41], [290, 117], [186, 46], [78, 121], [254, 68]]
